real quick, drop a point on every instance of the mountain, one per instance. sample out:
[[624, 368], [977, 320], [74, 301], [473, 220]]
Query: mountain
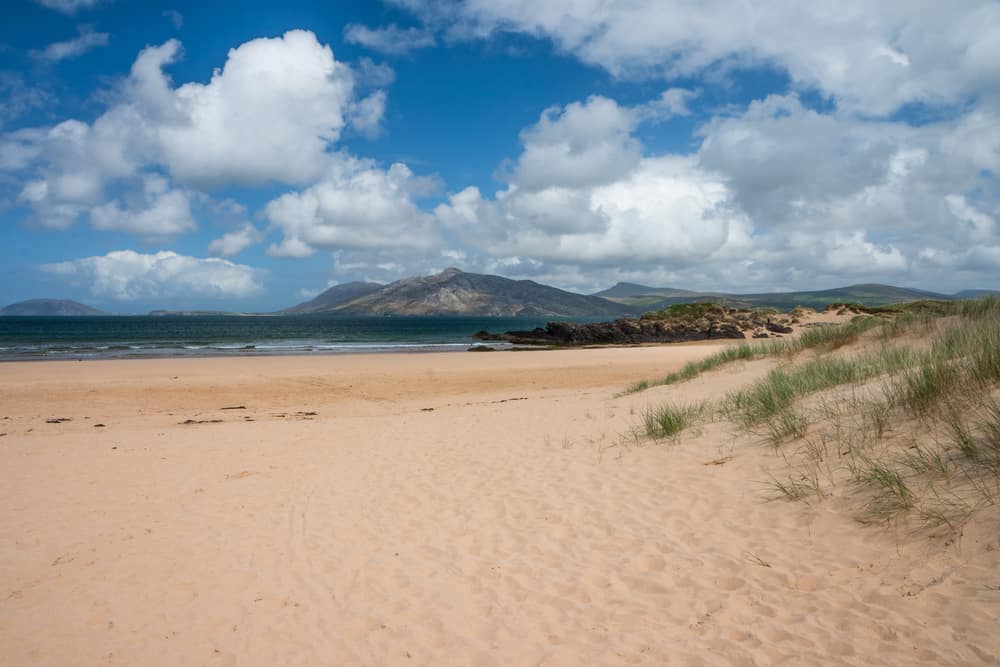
[[627, 290], [865, 294], [333, 297], [48, 307], [654, 298], [975, 293], [454, 292]]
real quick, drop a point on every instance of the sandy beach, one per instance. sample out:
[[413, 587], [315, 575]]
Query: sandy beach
[[440, 509]]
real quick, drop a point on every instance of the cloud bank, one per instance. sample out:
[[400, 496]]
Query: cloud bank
[[127, 275]]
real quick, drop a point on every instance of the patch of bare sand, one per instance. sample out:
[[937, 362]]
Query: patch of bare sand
[[512, 524]]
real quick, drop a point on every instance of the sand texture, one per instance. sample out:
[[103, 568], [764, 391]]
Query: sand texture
[[444, 509]]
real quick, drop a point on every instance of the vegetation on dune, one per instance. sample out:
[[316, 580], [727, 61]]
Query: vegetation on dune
[[828, 337], [668, 420], [907, 427]]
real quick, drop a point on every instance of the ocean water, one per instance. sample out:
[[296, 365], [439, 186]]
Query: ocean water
[[24, 338]]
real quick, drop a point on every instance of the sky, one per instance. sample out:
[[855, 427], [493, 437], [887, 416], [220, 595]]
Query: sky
[[182, 155]]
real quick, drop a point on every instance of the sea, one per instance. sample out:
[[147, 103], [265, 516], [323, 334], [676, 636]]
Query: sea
[[119, 336]]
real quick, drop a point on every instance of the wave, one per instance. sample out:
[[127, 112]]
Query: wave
[[116, 349]]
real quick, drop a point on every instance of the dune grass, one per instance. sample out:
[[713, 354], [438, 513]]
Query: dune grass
[[914, 432], [944, 399], [668, 419], [772, 397], [825, 337]]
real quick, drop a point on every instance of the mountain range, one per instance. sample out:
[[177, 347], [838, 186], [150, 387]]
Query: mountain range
[[455, 292], [869, 294]]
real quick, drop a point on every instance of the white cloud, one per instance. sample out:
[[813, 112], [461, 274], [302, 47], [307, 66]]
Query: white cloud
[[157, 213], [869, 57], [580, 193], [73, 48], [126, 275], [234, 242], [578, 145], [980, 227], [778, 196], [371, 73], [671, 102], [366, 115], [354, 205], [68, 6], [271, 113], [390, 39], [665, 210]]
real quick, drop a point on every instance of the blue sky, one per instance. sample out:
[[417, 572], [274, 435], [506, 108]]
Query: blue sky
[[183, 155]]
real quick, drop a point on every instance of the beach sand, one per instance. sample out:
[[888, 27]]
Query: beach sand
[[439, 509]]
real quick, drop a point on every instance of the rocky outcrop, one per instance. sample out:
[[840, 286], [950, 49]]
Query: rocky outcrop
[[679, 323], [619, 332]]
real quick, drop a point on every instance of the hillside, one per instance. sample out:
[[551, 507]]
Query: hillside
[[975, 293], [631, 290], [333, 297], [48, 308], [454, 292], [866, 294]]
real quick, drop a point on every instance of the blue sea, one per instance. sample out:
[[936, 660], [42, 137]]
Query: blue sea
[[23, 338]]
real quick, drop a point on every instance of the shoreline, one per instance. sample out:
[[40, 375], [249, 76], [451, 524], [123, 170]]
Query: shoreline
[[362, 349]]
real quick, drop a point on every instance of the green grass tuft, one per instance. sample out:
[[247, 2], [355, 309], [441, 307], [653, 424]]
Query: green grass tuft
[[668, 420]]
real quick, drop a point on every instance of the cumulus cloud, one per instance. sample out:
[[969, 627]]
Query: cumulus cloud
[[579, 145], [391, 39], [73, 48], [366, 114], [354, 205], [270, 114], [671, 102], [822, 175], [778, 195], [234, 242], [581, 193], [157, 213], [126, 275]]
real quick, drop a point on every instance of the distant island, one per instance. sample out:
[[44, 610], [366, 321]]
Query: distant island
[[205, 313], [48, 308]]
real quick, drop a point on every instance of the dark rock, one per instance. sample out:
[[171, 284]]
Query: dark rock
[[778, 328], [621, 332], [481, 348]]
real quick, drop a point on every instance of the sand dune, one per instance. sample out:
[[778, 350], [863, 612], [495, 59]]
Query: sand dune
[[490, 509]]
